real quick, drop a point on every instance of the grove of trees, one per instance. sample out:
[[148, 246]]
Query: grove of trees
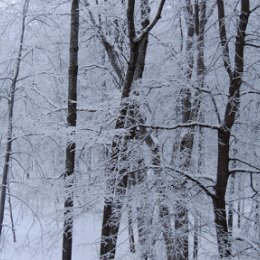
[[130, 129]]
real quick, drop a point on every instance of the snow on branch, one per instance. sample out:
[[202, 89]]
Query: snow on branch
[[186, 175], [243, 171], [90, 110], [184, 125], [254, 245]]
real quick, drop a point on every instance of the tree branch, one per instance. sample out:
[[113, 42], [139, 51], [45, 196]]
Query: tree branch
[[243, 171], [184, 125], [149, 27], [223, 37], [244, 162], [252, 45], [210, 194]]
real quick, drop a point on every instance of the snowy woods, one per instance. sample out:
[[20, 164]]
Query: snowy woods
[[129, 129]]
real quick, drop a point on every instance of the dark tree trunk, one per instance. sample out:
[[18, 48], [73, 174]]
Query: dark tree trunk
[[235, 76], [196, 238], [71, 123], [219, 202]]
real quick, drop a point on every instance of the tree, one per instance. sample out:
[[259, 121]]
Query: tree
[[235, 77], [112, 208], [149, 111], [11, 102], [71, 123], [196, 19]]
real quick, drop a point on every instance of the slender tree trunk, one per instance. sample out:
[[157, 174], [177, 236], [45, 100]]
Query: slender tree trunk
[[197, 215], [232, 185], [196, 238], [11, 102], [71, 123], [231, 205], [131, 230], [257, 218], [11, 213], [239, 189]]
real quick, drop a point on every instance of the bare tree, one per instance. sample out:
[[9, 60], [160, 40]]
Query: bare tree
[[11, 103], [117, 184], [235, 81], [71, 124], [196, 19]]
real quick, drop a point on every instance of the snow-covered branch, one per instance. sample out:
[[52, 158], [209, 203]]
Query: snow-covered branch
[[184, 125]]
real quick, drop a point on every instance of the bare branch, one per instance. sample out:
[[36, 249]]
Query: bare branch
[[210, 194], [89, 110], [254, 9], [252, 45], [246, 163], [243, 171], [250, 92], [254, 245]]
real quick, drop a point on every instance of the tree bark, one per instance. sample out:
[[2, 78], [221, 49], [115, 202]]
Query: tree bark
[[71, 123]]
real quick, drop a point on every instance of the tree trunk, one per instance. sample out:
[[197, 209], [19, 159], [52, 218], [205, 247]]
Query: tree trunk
[[10, 118], [113, 206], [231, 204], [131, 230], [219, 202], [196, 238], [71, 123], [235, 77]]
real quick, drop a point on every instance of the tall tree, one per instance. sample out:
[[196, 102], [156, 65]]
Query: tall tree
[[113, 206], [235, 81], [11, 103], [71, 124], [196, 19]]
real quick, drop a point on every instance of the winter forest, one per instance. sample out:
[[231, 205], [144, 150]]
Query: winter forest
[[129, 129]]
